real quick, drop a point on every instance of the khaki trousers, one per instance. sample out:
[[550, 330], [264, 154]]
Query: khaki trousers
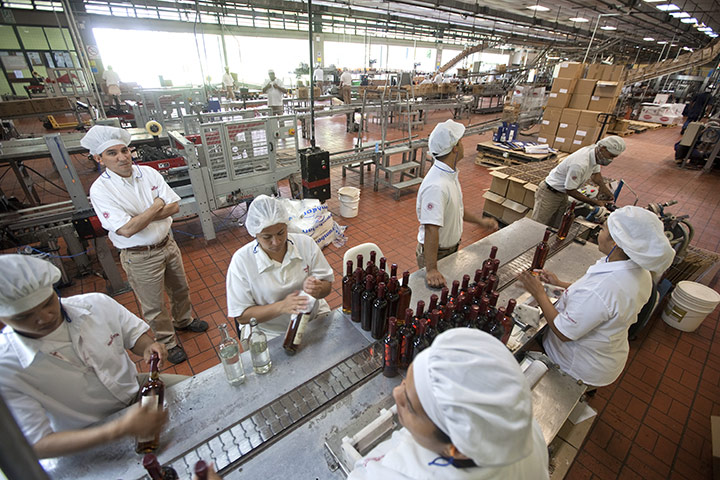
[[549, 206], [277, 109], [442, 253], [151, 273]]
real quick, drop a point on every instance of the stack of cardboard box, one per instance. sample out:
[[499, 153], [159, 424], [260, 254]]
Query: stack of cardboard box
[[19, 108], [570, 119]]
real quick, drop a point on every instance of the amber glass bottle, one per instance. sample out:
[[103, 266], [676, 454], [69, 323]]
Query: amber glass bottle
[[421, 341], [406, 336], [541, 253], [152, 395], [487, 264], [357, 291], [507, 321], [567, 221], [390, 363], [431, 330], [393, 297], [471, 320], [347, 285], [379, 315], [405, 293], [496, 327], [155, 471], [432, 306], [368, 297]]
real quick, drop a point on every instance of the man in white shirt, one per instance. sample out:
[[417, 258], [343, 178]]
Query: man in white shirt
[[587, 332], [112, 84], [228, 83], [466, 412], [135, 205], [572, 173], [319, 76], [64, 362], [438, 78], [426, 81], [346, 92], [274, 89], [439, 206]]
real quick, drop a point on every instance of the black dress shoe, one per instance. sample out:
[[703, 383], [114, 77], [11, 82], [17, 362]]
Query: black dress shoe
[[194, 326], [176, 355]]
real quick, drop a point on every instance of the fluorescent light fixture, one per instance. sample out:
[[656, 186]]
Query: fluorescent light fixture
[[649, 39], [668, 7], [663, 42], [705, 29], [700, 25], [714, 35], [538, 8], [679, 14], [579, 19], [688, 49], [689, 20], [608, 27], [710, 33]]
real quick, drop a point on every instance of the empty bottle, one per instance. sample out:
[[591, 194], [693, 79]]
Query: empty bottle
[[229, 352], [258, 349]]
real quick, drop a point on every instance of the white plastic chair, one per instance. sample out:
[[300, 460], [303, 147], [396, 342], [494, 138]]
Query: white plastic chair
[[362, 249]]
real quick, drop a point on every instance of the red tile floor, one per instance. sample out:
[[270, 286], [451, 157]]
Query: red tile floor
[[654, 422]]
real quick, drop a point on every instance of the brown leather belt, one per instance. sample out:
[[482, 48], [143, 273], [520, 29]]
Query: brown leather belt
[[552, 189], [146, 248]]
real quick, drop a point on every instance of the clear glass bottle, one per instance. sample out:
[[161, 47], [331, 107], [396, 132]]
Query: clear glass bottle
[[229, 352], [258, 349]]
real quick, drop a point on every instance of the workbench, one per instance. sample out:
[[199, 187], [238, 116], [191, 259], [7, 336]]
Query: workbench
[[277, 423]]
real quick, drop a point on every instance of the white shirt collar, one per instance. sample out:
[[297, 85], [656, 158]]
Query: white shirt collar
[[264, 262], [444, 167], [602, 266], [27, 348]]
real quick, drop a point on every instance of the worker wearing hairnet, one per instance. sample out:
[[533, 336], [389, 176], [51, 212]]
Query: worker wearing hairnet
[[573, 172], [135, 205], [466, 412], [64, 362], [274, 89], [588, 336], [266, 276], [228, 83], [439, 203]]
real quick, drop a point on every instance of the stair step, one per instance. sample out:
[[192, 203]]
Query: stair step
[[401, 167], [407, 183]]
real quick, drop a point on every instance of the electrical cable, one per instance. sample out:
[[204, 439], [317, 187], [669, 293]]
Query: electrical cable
[[28, 248], [46, 179]]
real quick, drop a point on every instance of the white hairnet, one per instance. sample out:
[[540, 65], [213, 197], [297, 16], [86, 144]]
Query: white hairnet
[[472, 388], [264, 212], [26, 282], [614, 144], [101, 137], [640, 234], [444, 137]]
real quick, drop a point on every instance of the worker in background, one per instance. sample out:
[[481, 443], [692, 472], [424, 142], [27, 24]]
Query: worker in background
[[64, 362], [135, 205], [588, 334], [274, 89], [112, 84], [466, 412], [439, 204], [695, 110], [265, 277], [438, 78], [228, 83], [319, 76], [426, 80], [573, 172], [346, 92]]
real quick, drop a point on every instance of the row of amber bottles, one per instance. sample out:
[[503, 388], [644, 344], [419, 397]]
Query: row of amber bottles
[[158, 472], [542, 249]]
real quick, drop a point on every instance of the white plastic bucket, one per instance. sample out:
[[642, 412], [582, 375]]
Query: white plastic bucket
[[689, 304], [349, 201]]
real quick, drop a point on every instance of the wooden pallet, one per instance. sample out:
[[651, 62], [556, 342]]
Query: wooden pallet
[[488, 160], [624, 133]]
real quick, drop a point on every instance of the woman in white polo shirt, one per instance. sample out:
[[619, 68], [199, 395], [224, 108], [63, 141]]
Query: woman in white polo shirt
[[266, 276], [588, 336]]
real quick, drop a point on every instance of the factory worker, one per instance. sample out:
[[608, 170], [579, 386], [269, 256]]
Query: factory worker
[[588, 336], [466, 412], [266, 276], [112, 84], [439, 205], [135, 205], [551, 197], [274, 89], [64, 362], [426, 81], [228, 83], [438, 78], [319, 75]]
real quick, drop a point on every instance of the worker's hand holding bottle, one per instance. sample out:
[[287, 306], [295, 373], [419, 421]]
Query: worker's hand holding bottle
[[294, 303], [313, 287]]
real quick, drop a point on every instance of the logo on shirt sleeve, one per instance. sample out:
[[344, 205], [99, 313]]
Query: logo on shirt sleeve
[[106, 214], [112, 338], [430, 206], [574, 177], [306, 269], [154, 187]]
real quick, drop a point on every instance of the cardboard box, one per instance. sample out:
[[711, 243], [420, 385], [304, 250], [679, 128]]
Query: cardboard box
[[571, 70], [613, 73], [595, 71], [513, 211], [585, 86], [543, 139], [579, 102], [41, 105], [16, 107], [575, 146], [587, 135], [516, 190], [562, 143], [529, 199], [493, 204], [602, 104], [606, 89], [570, 115], [663, 119], [566, 130], [563, 85], [552, 114], [499, 184], [559, 100], [548, 130], [588, 118]]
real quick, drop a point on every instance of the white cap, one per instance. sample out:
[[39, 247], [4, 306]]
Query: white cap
[[444, 137], [26, 282], [473, 390], [265, 212], [614, 144], [640, 234], [101, 137], [271, 71]]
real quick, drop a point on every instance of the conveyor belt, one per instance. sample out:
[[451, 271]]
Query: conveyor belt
[[234, 445]]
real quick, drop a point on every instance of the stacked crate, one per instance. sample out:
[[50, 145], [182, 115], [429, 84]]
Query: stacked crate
[[512, 192], [575, 100]]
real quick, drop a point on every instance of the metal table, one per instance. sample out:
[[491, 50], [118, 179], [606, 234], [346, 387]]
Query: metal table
[[215, 421]]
